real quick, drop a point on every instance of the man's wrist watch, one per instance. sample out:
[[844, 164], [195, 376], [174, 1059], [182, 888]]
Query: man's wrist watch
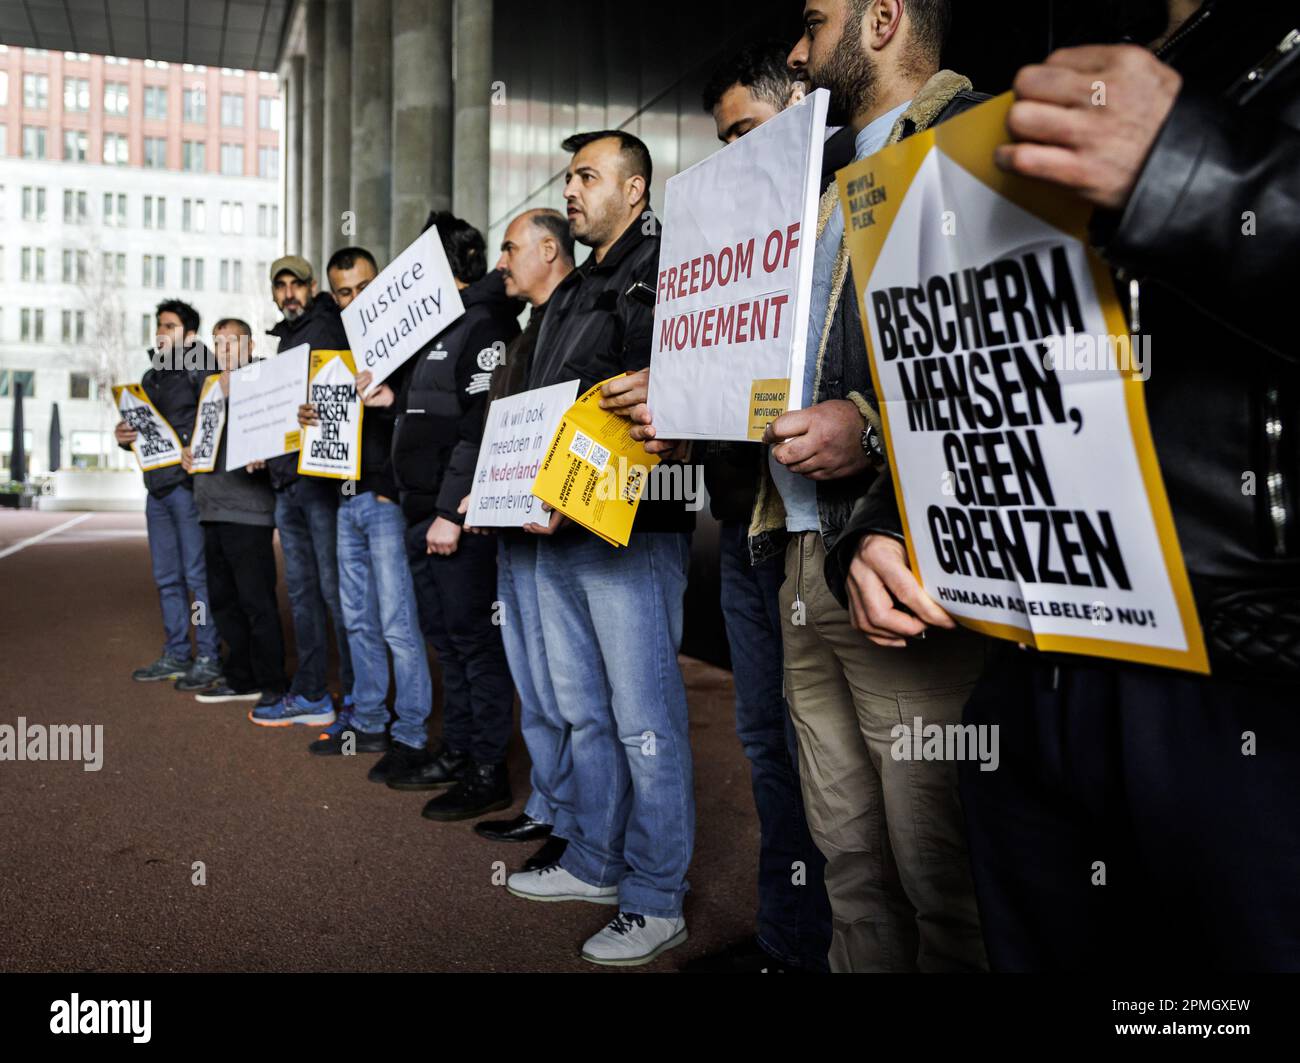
[[872, 443]]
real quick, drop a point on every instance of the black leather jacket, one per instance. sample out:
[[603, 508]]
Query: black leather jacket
[[1224, 391]]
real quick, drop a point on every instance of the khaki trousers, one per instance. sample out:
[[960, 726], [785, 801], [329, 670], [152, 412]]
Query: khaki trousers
[[897, 870]]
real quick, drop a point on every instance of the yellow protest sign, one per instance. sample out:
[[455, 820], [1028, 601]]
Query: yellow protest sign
[[1011, 398], [209, 420], [332, 446], [156, 443], [594, 472]]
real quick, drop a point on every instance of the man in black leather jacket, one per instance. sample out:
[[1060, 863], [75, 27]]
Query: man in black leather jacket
[[1143, 815]]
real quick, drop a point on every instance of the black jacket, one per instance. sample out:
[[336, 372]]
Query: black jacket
[[1224, 392], [175, 393], [594, 330], [235, 497], [440, 409], [322, 329]]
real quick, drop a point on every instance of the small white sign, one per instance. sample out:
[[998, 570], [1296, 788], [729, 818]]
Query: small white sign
[[403, 308], [262, 408], [515, 438]]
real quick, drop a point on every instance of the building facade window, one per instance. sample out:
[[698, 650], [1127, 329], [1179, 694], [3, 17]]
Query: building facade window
[[155, 212], [268, 114], [115, 97], [232, 217], [32, 322], [76, 94], [194, 105], [33, 265], [75, 143], [194, 216], [232, 159], [9, 378], [33, 203], [115, 210], [34, 141], [74, 207], [268, 162], [232, 109], [193, 156], [155, 101], [36, 92], [155, 153], [115, 149], [80, 386]]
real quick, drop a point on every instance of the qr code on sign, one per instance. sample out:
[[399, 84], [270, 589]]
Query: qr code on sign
[[589, 450]]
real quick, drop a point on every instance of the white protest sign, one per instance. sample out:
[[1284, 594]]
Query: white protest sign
[[156, 444], [332, 446], [262, 408], [403, 308], [1012, 403], [515, 437], [209, 420], [735, 278]]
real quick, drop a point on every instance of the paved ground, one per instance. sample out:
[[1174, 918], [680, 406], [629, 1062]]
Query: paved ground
[[310, 867]]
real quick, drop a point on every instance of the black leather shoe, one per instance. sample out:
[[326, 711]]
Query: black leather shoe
[[399, 759], [331, 742], [548, 854], [483, 788], [523, 828], [444, 768]]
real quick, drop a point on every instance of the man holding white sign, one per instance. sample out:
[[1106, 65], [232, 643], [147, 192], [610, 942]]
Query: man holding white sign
[[306, 511]]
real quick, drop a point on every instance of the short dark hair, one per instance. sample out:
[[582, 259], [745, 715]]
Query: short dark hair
[[931, 21], [556, 225], [635, 155], [466, 249], [233, 322], [346, 258], [758, 67], [188, 315]]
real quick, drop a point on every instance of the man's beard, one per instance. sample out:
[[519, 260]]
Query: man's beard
[[293, 315], [848, 75]]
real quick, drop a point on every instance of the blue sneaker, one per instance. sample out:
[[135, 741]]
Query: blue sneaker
[[293, 709]]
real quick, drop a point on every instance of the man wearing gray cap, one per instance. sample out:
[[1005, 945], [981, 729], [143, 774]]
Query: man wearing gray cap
[[306, 512]]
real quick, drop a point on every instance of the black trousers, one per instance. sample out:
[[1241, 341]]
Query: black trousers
[[456, 597], [1139, 819], [241, 593]]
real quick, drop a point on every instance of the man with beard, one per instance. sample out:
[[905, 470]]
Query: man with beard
[[1182, 787], [175, 536], [891, 830], [306, 513]]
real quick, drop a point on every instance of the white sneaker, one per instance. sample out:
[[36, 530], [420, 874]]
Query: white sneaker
[[553, 883], [631, 939]]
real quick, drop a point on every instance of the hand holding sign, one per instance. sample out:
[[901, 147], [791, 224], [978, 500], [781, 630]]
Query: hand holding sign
[[823, 442]]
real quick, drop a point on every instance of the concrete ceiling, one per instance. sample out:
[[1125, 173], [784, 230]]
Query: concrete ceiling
[[234, 33]]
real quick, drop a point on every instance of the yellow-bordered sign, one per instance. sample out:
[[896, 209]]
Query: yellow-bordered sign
[[1031, 496], [156, 445], [332, 447]]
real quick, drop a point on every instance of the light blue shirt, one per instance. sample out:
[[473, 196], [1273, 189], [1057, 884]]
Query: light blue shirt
[[798, 492]]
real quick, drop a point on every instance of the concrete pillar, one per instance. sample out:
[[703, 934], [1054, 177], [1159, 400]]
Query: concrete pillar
[[293, 154], [473, 94], [338, 127], [422, 114], [313, 132], [372, 129]]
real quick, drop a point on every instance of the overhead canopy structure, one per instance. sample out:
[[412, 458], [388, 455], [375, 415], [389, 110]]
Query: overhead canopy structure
[[246, 34]]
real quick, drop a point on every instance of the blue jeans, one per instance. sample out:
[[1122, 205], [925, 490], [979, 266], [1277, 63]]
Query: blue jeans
[[378, 610], [306, 514], [545, 732], [794, 919], [179, 570], [612, 620]]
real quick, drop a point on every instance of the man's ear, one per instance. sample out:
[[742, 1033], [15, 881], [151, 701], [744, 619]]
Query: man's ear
[[882, 24], [636, 190], [550, 250]]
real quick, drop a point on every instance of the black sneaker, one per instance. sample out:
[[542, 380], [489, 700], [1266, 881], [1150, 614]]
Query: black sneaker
[[483, 788], [341, 733], [523, 828], [444, 768], [550, 852], [740, 957], [400, 759], [163, 668], [223, 691], [201, 674]]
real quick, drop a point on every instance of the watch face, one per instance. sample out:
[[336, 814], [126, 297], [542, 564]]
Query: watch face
[[871, 441]]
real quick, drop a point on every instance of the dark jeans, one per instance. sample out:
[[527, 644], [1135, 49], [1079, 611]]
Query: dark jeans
[[794, 919], [179, 572], [1181, 790], [456, 597], [241, 586], [306, 513]]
